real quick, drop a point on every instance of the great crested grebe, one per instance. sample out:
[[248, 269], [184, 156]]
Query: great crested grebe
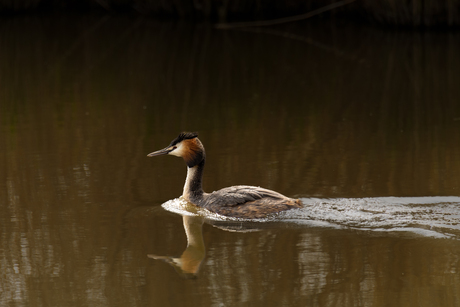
[[238, 201]]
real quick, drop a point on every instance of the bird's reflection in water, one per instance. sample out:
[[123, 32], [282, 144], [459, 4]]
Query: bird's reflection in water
[[188, 264]]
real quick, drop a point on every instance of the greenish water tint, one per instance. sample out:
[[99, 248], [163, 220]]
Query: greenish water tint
[[341, 116]]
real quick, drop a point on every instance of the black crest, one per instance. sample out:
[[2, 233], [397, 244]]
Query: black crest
[[183, 136]]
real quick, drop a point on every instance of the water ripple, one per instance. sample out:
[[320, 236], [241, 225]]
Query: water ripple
[[426, 216], [437, 216]]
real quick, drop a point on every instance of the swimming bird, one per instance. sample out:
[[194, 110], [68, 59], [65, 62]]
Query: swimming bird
[[239, 201]]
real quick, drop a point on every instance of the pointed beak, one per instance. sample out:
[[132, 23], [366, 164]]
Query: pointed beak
[[161, 152]]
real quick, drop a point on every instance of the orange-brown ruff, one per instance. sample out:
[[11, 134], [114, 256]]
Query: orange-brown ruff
[[238, 201]]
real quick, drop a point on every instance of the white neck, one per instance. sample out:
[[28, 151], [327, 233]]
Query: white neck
[[191, 171], [192, 187]]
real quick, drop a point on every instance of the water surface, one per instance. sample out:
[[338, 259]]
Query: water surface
[[362, 124]]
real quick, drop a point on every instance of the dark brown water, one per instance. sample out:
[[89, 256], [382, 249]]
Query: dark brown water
[[362, 124]]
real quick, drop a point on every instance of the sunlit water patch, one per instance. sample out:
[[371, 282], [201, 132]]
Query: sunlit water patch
[[426, 216]]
